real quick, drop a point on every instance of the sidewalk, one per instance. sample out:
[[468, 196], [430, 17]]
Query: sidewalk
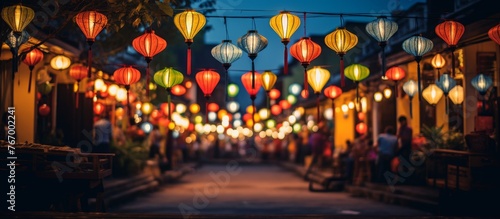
[[418, 197]]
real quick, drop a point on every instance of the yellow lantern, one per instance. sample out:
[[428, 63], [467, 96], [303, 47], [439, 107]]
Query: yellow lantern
[[268, 79], [457, 95], [438, 62], [264, 113], [189, 24], [112, 89], [17, 17], [194, 108], [387, 93], [285, 24], [221, 113], [60, 62], [341, 41], [317, 78], [180, 108], [432, 94], [99, 84], [250, 109], [147, 108], [377, 96]]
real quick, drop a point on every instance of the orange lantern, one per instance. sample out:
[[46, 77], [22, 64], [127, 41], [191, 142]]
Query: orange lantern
[[252, 82], [148, 45], [494, 33], [91, 23], [212, 107], [450, 32], [33, 57], [361, 128], [178, 90], [361, 116], [304, 94], [99, 108], [276, 109], [165, 109], [332, 92], [207, 81], [44, 110], [305, 50], [395, 74], [247, 117], [155, 114], [284, 104], [274, 94], [127, 76], [77, 72]]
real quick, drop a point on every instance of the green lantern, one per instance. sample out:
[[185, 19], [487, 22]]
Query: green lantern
[[44, 88], [232, 90], [167, 78], [357, 73]]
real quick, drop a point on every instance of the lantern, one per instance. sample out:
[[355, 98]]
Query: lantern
[[378, 96], [166, 108], [91, 23], [432, 94], [450, 32], [14, 41], [332, 92], [410, 88], [127, 76], [60, 62], [274, 94], [180, 108], [284, 104], [194, 108], [276, 109], [98, 107], [250, 109], [317, 78], [17, 17], [304, 94], [457, 95], [494, 33], [341, 41], [382, 29], [446, 83], [233, 106], [148, 45], [264, 113], [167, 78], [357, 73], [268, 81], [285, 24], [395, 74], [226, 53], [482, 83], [147, 108], [252, 82], [361, 128], [291, 99], [45, 88], [387, 92], [232, 90], [252, 43], [33, 57], [207, 81], [77, 72], [294, 89], [438, 62], [178, 90], [418, 46], [189, 24], [44, 110], [212, 107], [305, 50]]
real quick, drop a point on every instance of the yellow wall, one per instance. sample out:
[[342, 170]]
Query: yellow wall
[[24, 103], [344, 127]]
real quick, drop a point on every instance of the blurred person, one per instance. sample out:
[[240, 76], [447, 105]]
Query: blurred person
[[155, 156], [318, 141], [404, 136], [102, 134], [387, 147]]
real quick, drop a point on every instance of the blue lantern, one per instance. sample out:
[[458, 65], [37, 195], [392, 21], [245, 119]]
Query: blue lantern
[[146, 127], [446, 83], [482, 83]]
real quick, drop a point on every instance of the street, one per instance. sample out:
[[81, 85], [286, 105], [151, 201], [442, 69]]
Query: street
[[259, 189]]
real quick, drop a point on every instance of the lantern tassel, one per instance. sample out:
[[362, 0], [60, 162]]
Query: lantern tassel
[[342, 76], [357, 92], [396, 88], [206, 111], [446, 104], [31, 75], [253, 113], [306, 88], [411, 108], [76, 96], [89, 60], [268, 100], [226, 82], [286, 60], [253, 75], [128, 103], [453, 61], [419, 80], [168, 106], [147, 80], [189, 61], [317, 107]]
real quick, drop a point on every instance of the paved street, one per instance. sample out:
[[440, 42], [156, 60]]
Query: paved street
[[253, 189]]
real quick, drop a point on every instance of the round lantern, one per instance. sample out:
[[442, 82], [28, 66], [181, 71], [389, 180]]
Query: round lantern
[[361, 128], [207, 81], [91, 24], [166, 108], [305, 51], [194, 108], [457, 95], [44, 110], [264, 113], [418, 46], [276, 109], [60, 62], [378, 96], [432, 94], [33, 57], [213, 107], [332, 92], [274, 94], [295, 89], [112, 89], [77, 72], [284, 104], [14, 41], [357, 73], [481, 83], [410, 88], [45, 88], [252, 43], [446, 83], [285, 24], [226, 53], [387, 92], [395, 74], [361, 116], [99, 108], [148, 45], [17, 17], [127, 76], [494, 33], [189, 23], [147, 108], [268, 80], [382, 29], [450, 32], [438, 62], [233, 106], [341, 41], [167, 78], [232, 90], [178, 90], [317, 77]]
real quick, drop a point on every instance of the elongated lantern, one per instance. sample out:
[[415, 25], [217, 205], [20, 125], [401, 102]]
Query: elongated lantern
[[357, 73], [127, 76], [252, 82], [148, 45], [77, 72], [418, 46], [382, 29], [450, 32], [226, 53], [341, 41], [410, 88], [33, 57], [91, 23], [268, 81], [252, 43], [189, 23], [285, 24], [207, 81], [395, 74], [317, 77], [167, 78], [305, 51]]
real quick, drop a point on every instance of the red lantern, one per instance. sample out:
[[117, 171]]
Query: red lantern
[[148, 45], [44, 110], [178, 90], [361, 116], [332, 92], [207, 80], [38, 95], [165, 110], [274, 94], [33, 57], [494, 33], [252, 82], [212, 107], [361, 128], [395, 74], [450, 32], [276, 109], [99, 108], [127, 76], [77, 72], [155, 114], [91, 23], [304, 94], [284, 104], [247, 117], [305, 50]]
